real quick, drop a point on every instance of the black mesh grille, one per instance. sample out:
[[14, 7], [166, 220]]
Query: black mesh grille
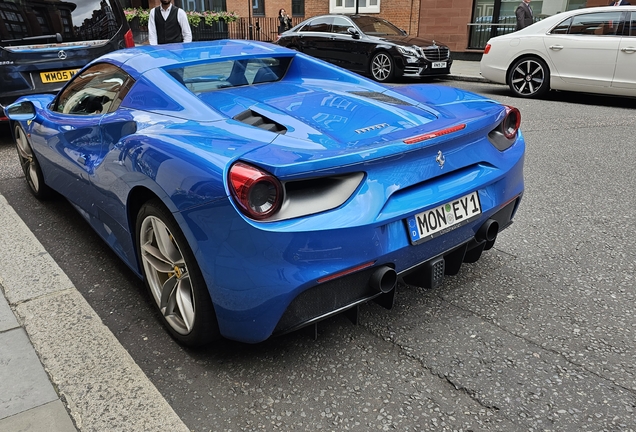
[[326, 297]]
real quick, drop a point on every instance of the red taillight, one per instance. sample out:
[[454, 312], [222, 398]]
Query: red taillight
[[511, 122], [258, 193], [487, 49], [435, 134], [346, 272], [128, 39]]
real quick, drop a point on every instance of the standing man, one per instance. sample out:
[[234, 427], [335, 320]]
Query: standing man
[[524, 15], [168, 24], [619, 3]]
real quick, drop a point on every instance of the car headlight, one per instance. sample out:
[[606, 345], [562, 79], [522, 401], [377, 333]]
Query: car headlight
[[408, 51]]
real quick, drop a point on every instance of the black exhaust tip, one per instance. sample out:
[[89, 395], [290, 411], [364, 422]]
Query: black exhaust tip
[[488, 231], [383, 279]]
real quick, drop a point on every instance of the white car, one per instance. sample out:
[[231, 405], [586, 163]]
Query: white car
[[590, 50]]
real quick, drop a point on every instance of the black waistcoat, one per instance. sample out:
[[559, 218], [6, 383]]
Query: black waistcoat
[[168, 31]]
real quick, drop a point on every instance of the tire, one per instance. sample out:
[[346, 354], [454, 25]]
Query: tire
[[30, 165], [529, 78], [173, 278], [382, 67]]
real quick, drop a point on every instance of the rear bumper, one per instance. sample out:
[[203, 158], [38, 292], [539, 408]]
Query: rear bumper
[[272, 282], [493, 73], [339, 295]]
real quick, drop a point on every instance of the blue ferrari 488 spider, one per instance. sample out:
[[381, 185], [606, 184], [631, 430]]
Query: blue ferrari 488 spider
[[257, 190]]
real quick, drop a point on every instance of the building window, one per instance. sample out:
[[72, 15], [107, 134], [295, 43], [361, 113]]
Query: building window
[[201, 5], [349, 6], [258, 7], [13, 21], [298, 8]]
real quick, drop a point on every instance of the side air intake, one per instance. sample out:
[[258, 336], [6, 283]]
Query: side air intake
[[255, 119]]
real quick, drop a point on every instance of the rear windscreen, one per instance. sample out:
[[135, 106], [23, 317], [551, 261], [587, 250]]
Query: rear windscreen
[[201, 78], [29, 23]]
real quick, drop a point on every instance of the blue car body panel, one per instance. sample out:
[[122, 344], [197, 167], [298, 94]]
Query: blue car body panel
[[167, 142]]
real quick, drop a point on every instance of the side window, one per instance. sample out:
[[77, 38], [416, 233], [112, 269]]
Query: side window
[[632, 25], [599, 23], [563, 27], [96, 90], [322, 24], [340, 25]]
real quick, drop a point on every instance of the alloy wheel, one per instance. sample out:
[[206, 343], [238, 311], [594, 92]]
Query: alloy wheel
[[30, 166], [27, 160], [382, 67], [167, 275], [529, 78]]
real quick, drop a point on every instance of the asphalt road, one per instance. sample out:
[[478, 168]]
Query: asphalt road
[[540, 334]]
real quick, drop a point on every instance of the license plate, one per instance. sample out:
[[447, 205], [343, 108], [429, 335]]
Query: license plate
[[437, 65], [57, 76], [424, 226]]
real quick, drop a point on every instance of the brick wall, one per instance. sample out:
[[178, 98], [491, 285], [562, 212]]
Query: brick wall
[[402, 13], [272, 7], [446, 21]]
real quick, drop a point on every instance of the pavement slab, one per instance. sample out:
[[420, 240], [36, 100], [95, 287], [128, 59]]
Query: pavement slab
[[79, 362]]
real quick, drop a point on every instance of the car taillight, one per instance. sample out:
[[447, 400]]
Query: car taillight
[[511, 122], [487, 49], [431, 135], [505, 134], [128, 39], [258, 193]]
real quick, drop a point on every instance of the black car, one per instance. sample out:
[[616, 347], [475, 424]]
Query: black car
[[368, 45], [44, 42]]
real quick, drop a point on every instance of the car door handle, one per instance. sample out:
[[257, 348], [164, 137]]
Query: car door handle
[[628, 50], [556, 47], [67, 128]]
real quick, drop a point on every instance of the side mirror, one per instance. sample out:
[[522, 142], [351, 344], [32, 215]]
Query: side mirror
[[21, 111], [353, 32]]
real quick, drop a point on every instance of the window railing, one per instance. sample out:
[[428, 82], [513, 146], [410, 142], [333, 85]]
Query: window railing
[[480, 33], [259, 28]]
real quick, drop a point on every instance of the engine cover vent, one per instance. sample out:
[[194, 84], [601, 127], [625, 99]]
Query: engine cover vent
[[380, 97], [255, 119]]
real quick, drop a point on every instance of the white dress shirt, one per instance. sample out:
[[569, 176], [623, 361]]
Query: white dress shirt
[[182, 18]]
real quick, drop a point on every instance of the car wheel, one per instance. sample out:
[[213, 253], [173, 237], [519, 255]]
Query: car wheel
[[382, 67], [529, 78], [30, 165], [173, 277]]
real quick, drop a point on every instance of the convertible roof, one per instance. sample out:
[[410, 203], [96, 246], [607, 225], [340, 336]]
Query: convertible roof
[[146, 57]]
